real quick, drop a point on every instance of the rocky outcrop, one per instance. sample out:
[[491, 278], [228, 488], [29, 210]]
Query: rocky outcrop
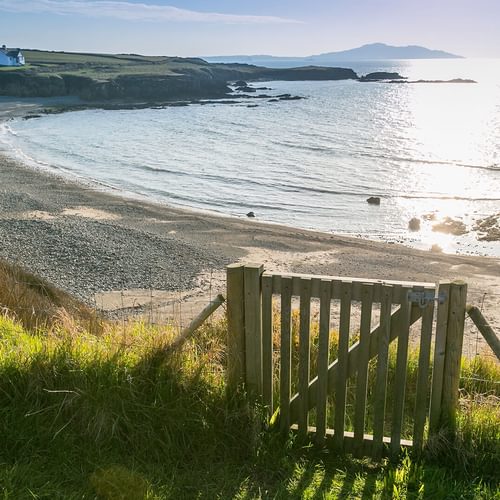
[[306, 73], [454, 80], [489, 228], [450, 226], [380, 75]]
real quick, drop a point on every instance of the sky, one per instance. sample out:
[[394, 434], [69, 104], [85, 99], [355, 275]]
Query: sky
[[228, 27]]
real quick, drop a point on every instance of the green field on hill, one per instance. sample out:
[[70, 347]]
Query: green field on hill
[[109, 65]]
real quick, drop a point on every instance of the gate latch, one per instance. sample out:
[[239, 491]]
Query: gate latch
[[424, 297]]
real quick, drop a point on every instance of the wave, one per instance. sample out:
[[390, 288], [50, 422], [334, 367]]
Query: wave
[[336, 149], [451, 163]]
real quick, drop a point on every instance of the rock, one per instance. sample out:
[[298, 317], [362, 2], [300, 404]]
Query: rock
[[429, 216], [436, 248], [450, 226], [490, 227], [245, 89], [414, 224], [240, 83], [377, 76], [304, 73], [291, 98], [373, 200], [454, 80], [250, 214]]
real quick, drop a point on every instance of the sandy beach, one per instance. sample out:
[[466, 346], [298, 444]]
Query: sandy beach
[[88, 241]]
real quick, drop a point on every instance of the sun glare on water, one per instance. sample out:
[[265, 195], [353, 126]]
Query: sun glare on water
[[452, 140]]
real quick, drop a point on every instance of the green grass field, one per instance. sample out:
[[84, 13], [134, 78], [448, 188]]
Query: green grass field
[[106, 66], [95, 409]]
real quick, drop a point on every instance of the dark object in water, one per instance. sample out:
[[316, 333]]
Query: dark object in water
[[250, 214], [373, 200], [414, 224]]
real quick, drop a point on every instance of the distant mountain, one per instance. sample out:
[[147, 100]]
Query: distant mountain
[[370, 52], [383, 51]]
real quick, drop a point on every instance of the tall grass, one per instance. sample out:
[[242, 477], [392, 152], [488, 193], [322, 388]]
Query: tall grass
[[37, 304], [108, 414]]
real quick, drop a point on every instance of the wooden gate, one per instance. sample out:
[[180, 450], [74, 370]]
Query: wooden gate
[[285, 356]]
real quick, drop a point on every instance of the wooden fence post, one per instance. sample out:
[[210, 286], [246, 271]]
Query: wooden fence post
[[439, 358], [453, 354], [253, 328], [486, 331], [235, 326]]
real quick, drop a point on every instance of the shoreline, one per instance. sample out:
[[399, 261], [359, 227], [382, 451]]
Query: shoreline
[[450, 236], [121, 253], [47, 222]]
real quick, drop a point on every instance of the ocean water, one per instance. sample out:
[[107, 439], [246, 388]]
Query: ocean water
[[423, 148]]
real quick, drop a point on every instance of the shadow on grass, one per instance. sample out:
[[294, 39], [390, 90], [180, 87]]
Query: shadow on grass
[[80, 416]]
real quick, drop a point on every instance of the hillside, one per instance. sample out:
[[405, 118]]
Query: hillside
[[103, 77], [369, 52]]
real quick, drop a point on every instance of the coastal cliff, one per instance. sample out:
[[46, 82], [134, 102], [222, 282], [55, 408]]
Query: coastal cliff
[[101, 78]]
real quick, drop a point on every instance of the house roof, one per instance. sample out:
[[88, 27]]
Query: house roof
[[10, 51]]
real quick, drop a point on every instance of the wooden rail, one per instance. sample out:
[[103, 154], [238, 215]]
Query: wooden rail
[[188, 332], [486, 331]]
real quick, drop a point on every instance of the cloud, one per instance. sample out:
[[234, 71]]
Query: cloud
[[132, 11]]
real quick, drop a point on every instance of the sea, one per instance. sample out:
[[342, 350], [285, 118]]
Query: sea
[[428, 150]]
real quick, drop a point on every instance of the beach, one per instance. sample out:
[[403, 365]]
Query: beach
[[87, 242], [126, 255]]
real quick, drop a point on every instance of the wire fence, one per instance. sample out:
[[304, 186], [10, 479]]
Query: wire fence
[[177, 309], [475, 346]]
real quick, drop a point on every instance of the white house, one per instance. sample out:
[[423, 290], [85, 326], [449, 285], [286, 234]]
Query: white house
[[11, 57]]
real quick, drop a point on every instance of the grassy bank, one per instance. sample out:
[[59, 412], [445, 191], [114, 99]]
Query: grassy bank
[[106, 414]]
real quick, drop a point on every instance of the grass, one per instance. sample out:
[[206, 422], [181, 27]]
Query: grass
[[106, 66], [103, 67], [37, 304], [107, 414]]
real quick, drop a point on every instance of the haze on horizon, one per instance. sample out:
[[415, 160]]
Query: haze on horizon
[[224, 27]]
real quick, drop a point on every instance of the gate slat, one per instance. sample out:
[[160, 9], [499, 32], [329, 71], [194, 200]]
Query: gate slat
[[439, 354], [253, 327], [381, 377], [343, 357], [400, 376], [363, 360], [304, 356], [286, 352], [267, 342], [323, 348], [423, 377]]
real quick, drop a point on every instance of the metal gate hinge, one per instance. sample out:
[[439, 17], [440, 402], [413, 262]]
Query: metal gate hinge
[[424, 297]]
